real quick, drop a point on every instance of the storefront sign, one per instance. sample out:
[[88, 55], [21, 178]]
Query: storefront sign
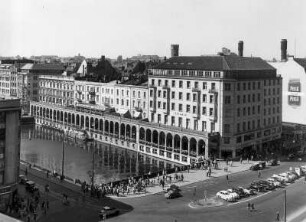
[[294, 88], [179, 114]]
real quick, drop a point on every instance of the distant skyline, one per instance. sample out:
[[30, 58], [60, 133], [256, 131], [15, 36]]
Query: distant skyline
[[148, 27]]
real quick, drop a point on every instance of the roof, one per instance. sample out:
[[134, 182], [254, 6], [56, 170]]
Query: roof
[[44, 66], [215, 63], [301, 62]]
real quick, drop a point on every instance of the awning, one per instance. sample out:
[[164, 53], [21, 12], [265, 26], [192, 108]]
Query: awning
[[137, 114], [122, 111]]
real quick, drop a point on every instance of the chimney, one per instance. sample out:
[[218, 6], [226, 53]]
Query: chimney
[[174, 50], [240, 48], [284, 50]]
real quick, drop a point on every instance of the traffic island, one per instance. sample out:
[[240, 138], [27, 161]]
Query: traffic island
[[208, 202]]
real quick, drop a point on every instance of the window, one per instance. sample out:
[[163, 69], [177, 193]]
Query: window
[[213, 86], [180, 95], [159, 82], [172, 121], [211, 98], [238, 86], [226, 128], [212, 127], [195, 124], [204, 98], [180, 121], [194, 109], [238, 99], [181, 84], [194, 97], [151, 104], [203, 125], [180, 107], [188, 96], [172, 106], [227, 87], [196, 85], [159, 93], [238, 112], [166, 82], [159, 104], [203, 110], [158, 118], [164, 94], [227, 100], [211, 111], [153, 82], [173, 83], [238, 127], [173, 95], [204, 85], [164, 105], [187, 123], [188, 84], [188, 108]]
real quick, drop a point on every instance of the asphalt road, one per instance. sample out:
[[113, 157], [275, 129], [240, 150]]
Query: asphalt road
[[157, 208]]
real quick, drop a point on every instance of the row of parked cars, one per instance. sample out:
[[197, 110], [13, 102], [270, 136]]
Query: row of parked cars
[[273, 182]]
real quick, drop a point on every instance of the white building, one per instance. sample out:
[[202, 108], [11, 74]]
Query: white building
[[294, 89], [237, 97]]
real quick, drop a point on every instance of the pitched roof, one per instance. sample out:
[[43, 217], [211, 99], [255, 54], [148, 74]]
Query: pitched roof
[[301, 62], [215, 63], [44, 66]]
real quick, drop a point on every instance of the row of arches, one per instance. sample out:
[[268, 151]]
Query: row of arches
[[170, 141]]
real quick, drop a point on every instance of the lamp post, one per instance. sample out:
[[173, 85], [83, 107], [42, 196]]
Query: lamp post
[[285, 206], [63, 155]]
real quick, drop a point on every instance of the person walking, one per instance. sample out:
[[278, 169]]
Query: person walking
[[227, 180], [252, 206], [249, 206], [259, 173], [277, 216]]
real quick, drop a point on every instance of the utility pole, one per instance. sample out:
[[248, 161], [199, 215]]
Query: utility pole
[[63, 154], [285, 207]]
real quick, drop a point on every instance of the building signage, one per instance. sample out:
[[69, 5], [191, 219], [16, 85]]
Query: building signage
[[294, 88], [179, 114]]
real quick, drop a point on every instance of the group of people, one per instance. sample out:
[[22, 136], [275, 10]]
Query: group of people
[[27, 207]]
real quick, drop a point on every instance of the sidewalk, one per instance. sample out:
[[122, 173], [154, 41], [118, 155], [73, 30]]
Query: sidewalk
[[194, 175]]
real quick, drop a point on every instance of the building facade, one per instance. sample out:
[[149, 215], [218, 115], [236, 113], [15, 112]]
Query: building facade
[[9, 149], [237, 97], [58, 90], [8, 80]]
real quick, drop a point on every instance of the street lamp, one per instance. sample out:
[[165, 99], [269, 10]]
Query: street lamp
[[63, 155], [285, 206]]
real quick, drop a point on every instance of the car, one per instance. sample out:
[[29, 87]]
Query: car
[[291, 156], [240, 192], [275, 182], [108, 212], [172, 194], [224, 195], [23, 179], [248, 191], [278, 178], [258, 187], [287, 178], [255, 166], [30, 186], [272, 162], [293, 175], [234, 193]]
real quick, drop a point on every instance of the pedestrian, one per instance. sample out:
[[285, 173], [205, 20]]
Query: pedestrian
[[252, 206], [249, 206], [248, 159], [240, 160], [227, 179], [259, 174], [277, 216], [47, 204]]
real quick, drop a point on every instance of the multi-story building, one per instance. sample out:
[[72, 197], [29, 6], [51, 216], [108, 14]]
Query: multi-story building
[[8, 80], [293, 73], [237, 97], [9, 148], [32, 72], [57, 90]]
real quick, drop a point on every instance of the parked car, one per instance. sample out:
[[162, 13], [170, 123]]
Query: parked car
[[248, 191], [240, 191], [272, 162], [258, 187], [23, 179], [224, 195], [108, 212], [30, 186], [172, 192], [233, 193], [255, 166], [275, 182], [288, 177]]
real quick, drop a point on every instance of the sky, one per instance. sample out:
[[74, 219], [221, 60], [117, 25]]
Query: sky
[[130, 27]]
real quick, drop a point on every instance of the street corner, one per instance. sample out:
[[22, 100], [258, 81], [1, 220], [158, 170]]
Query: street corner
[[205, 203]]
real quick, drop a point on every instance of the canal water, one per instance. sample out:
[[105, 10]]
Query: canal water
[[44, 147]]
